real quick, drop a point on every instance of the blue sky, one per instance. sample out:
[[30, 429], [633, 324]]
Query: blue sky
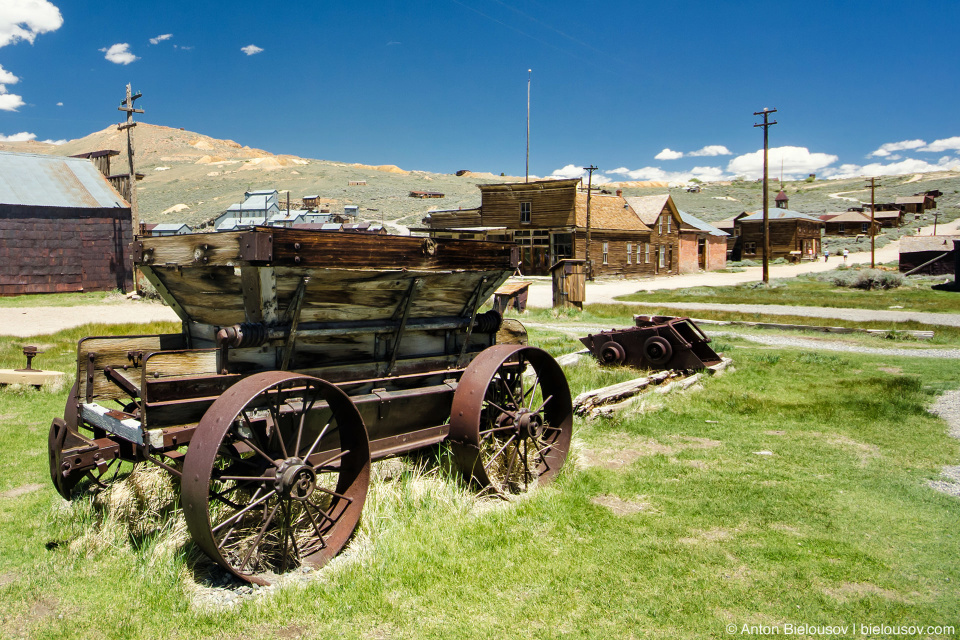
[[643, 90]]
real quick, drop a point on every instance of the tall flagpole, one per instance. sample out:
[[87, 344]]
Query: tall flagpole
[[526, 177]]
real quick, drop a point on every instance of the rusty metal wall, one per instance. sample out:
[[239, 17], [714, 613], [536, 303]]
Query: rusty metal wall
[[59, 249]]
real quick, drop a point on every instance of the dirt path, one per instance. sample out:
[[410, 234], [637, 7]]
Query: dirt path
[[839, 195], [25, 322]]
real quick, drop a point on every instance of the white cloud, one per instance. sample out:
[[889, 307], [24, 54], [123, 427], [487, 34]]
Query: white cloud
[[251, 49], [668, 154], [119, 54], [7, 78], [23, 136], [575, 171], [946, 144], [906, 166], [797, 162], [26, 19], [60, 141], [161, 38], [705, 174], [711, 150], [10, 102], [889, 147], [59, 104]]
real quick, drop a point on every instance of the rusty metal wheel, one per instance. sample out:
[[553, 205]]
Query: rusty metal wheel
[[612, 353], [276, 475], [511, 419], [657, 350], [59, 431]]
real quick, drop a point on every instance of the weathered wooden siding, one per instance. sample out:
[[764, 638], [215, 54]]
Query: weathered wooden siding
[[659, 236], [617, 253], [785, 236], [54, 249], [551, 205]]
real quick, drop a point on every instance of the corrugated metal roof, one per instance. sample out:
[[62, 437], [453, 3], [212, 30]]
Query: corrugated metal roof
[[168, 226], [697, 223], [780, 214], [30, 179]]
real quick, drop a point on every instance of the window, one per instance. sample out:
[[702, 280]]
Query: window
[[646, 252], [663, 256], [668, 222], [629, 249], [524, 213], [660, 225], [606, 249], [864, 227], [842, 228], [750, 248]]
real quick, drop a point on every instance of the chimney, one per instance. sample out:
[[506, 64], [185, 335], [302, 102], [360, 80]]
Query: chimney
[[619, 193]]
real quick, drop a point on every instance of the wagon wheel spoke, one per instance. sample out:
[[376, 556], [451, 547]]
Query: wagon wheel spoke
[[272, 491], [518, 434]]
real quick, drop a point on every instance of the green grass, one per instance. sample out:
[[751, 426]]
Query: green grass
[[916, 294], [61, 299], [835, 526]]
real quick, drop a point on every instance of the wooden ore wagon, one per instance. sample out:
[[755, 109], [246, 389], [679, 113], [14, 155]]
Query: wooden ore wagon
[[303, 357]]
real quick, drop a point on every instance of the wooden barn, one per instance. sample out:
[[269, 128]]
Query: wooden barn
[[916, 204], [848, 223], [793, 235], [934, 255], [548, 219], [62, 227]]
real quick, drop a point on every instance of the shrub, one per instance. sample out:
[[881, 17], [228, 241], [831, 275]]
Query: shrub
[[868, 279]]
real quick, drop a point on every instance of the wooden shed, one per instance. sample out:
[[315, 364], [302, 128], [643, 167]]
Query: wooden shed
[[793, 235], [62, 227], [848, 223], [935, 255]]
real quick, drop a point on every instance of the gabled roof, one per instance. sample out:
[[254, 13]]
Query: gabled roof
[[30, 179], [848, 216], [700, 225], [887, 214], [649, 208], [781, 196], [254, 203], [167, 226], [780, 214], [608, 212], [911, 199]]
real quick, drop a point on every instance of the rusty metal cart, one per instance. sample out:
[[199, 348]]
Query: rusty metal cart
[[656, 342], [303, 357]]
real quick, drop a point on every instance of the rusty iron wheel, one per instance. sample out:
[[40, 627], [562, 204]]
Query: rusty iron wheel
[[511, 419], [59, 430], [612, 353], [657, 350], [276, 475]]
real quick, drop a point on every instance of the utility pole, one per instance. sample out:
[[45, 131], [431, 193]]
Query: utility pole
[[591, 169], [127, 105], [936, 214], [527, 174], [766, 202], [873, 230]]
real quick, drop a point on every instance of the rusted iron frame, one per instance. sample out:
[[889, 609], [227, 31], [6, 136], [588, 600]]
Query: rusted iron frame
[[472, 306], [294, 318], [116, 378], [403, 310]]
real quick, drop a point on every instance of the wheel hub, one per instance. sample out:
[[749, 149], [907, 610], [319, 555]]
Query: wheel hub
[[296, 479], [529, 424]]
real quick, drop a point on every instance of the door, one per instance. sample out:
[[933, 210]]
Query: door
[[702, 253]]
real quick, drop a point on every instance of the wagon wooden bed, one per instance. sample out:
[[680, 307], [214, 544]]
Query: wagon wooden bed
[[303, 357]]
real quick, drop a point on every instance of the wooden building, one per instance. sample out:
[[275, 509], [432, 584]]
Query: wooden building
[[426, 194], [793, 235], [938, 251], [662, 216], [62, 227], [916, 204], [703, 247], [848, 223], [548, 219]]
